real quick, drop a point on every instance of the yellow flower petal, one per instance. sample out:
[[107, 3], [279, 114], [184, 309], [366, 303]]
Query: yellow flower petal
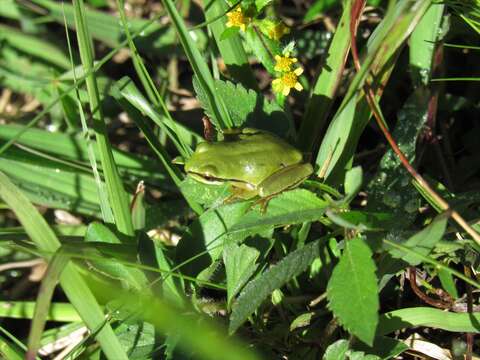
[[298, 71], [286, 91], [298, 86]]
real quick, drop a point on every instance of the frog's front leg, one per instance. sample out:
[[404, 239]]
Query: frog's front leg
[[241, 190], [284, 179]]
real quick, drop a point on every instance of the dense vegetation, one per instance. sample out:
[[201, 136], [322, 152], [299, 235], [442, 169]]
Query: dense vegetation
[[110, 250]]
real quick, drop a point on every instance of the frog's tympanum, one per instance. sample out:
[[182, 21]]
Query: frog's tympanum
[[254, 162]]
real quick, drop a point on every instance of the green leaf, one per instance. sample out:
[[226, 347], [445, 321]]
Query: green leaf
[[205, 194], [263, 47], [118, 198], [138, 339], [153, 253], [384, 347], [422, 242], [336, 138], [428, 317], [423, 44], [229, 32], [353, 182], [248, 108], [337, 350], [390, 189], [290, 207], [448, 283], [239, 265], [129, 276], [352, 291], [275, 277], [207, 235], [260, 4]]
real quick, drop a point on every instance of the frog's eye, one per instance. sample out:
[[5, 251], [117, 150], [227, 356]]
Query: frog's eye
[[202, 147], [208, 170]]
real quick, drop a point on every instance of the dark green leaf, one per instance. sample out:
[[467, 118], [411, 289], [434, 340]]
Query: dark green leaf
[[249, 108], [275, 277]]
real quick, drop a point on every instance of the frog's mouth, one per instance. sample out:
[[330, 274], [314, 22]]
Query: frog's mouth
[[212, 180]]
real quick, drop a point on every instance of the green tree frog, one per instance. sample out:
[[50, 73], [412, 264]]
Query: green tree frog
[[254, 162]]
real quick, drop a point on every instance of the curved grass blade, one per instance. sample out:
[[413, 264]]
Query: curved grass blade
[[44, 297], [428, 317], [72, 283]]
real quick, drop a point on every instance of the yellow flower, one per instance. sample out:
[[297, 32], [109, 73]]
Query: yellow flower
[[288, 81], [277, 31], [284, 63], [236, 17]]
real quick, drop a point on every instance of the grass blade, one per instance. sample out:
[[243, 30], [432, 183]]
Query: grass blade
[[200, 68], [72, 283], [117, 196], [326, 85], [231, 49]]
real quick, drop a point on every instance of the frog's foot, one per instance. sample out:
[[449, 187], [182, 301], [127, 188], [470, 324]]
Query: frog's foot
[[238, 193], [263, 202]]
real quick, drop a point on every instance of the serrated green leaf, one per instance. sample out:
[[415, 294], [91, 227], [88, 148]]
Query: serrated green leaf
[[275, 277], [239, 265], [137, 339], [422, 242], [352, 291], [337, 350], [250, 108], [207, 235]]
